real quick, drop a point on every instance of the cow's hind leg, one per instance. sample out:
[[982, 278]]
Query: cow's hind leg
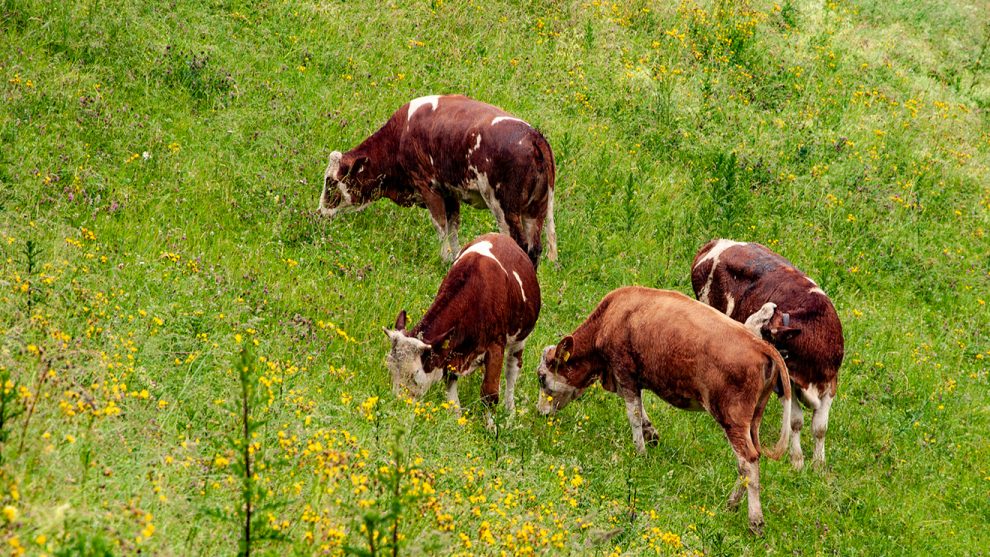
[[748, 460], [490, 383], [797, 422], [819, 425], [532, 234], [513, 363]]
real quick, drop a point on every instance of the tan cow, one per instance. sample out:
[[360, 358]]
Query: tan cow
[[687, 353]]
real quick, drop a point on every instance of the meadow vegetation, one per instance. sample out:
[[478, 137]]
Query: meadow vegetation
[[173, 312]]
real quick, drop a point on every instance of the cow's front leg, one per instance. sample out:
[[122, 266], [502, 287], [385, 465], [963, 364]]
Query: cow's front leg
[[650, 436], [452, 398], [438, 214], [452, 210], [490, 383], [634, 412], [513, 363]]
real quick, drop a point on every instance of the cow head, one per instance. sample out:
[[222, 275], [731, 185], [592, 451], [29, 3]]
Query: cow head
[[759, 320], [556, 390], [405, 362], [344, 185], [773, 325]]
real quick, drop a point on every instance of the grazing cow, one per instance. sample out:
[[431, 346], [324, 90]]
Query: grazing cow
[[486, 307], [441, 150], [737, 279], [687, 353]]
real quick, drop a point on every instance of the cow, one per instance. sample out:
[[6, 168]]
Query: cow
[[442, 150], [740, 278], [486, 307], [688, 354]]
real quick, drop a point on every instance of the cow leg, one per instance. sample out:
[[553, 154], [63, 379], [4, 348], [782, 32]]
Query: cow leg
[[634, 412], [513, 363], [819, 425], [438, 214], [650, 436], [533, 234], [797, 422], [490, 383], [748, 460], [452, 398], [452, 208]]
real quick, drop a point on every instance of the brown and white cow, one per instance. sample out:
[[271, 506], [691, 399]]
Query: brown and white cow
[[739, 279], [486, 307], [687, 353], [441, 150]]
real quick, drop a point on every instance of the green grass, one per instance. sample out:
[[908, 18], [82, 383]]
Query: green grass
[[852, 137]]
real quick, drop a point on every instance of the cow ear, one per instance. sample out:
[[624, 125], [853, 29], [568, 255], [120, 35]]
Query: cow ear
[[359, 164], [564, 348], [400, 321], [444, 339], [350, 166], [784, 333]]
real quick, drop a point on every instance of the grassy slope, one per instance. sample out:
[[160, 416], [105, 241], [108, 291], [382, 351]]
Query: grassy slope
[[852, 138]]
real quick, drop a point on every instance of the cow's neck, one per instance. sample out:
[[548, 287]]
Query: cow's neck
[[380, 149]]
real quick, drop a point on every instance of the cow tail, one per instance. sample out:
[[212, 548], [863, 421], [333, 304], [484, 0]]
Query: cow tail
[[785, 379], [545, 157]]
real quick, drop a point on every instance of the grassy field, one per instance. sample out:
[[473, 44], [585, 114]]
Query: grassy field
[[160, 167]]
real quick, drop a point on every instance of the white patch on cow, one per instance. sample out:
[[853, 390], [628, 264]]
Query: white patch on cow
[[557, 384], [415, 104], [817, 290], [477, 145], [730, 304], [760, 318], [498, 119], [487, 193], [431, 161], [713, 254], [811, 397], [521, 289], [484, 249]]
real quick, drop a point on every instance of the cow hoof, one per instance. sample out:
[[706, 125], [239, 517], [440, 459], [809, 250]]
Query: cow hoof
[[818, 466], [797, 462], [651, 438], [756, 527]]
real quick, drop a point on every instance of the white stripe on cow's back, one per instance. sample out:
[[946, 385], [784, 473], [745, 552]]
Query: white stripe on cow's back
[[713, 254], [498, 119], [817, 290], [432, 100], [521, 289], [483, 248]]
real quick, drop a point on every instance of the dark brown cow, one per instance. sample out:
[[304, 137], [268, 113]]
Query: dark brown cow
[[486, 307], [439, 151], [738, 279], [687, 353]]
